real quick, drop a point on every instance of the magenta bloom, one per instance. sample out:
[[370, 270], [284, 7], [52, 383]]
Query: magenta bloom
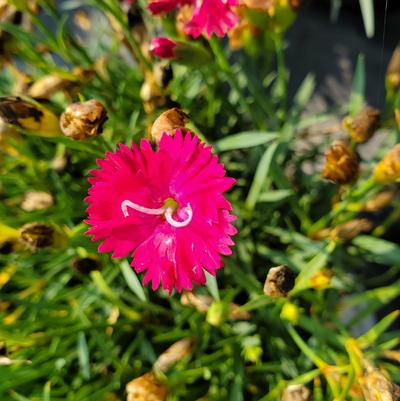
[[163, 47], [163, 207], [209, 16], [212, 16], [166, 6]]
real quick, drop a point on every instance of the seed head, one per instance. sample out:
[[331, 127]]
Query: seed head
[[168, 122], [36, 200], [342, 164], [280, 280], [363, 125], [83, 120], [388, 169], [296, 392], [146, 388]]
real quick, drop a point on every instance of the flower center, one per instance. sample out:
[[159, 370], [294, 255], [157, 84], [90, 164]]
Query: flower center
[[168, 210]]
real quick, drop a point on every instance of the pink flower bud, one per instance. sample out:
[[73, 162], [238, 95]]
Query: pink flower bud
[[163, 47]]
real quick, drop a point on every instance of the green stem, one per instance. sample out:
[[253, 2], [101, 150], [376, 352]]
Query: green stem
[[352, 195], [223, 63], [282, 71]]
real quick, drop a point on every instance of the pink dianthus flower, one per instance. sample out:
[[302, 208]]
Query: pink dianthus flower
[[166, 208], [209, 16]]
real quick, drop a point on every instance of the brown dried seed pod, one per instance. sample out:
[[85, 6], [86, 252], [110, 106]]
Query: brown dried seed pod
[[342, 164], [173, 354], [376, 387], [146, 388], [83, 120], [296, 392], [381, 199], [388, 169], [363, 125], [346, 231], [86, 265], [280, 281], [36, 200], [200, 302], [168, 122], [37, 235]]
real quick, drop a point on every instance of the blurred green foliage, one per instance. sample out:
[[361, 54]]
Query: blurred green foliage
[[83, 336]]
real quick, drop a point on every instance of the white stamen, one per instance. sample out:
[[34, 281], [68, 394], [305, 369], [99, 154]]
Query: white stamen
[[127, 203], [167, 212]]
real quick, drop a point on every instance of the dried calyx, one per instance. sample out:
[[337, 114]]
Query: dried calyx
[[83, 120]]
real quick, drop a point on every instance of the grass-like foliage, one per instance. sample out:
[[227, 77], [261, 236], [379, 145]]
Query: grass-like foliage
[[77, 325]]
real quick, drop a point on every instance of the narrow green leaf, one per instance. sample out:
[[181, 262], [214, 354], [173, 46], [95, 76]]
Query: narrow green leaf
[[367, 11], [132, 281], [212, 286], [380, 251], [317, 263], [372, 335], [305, 91], [356, 101], [275, 196], [83, 355], [244, 140], [104, 288], [260, 175]]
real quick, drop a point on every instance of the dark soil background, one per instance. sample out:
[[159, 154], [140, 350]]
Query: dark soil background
[[330, 49]]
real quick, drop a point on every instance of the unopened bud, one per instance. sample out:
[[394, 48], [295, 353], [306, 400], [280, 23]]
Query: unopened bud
[[393, 70], [163, 47], [40, 235], [83, 120], [36, 201], [186, 53], [363, 125], [28, 116], [388, 169], [280, 280], [217, 313], [173, 354], [168, 122], [203, 302], [252, 349], [342, 164], [290, 312], [146, 388], [296, 392], [321, 280]]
